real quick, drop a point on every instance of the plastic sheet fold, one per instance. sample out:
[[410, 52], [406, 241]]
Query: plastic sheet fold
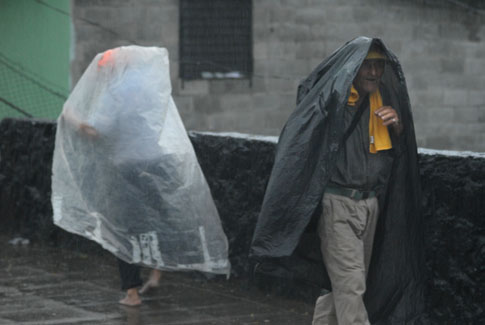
[[125, 173]]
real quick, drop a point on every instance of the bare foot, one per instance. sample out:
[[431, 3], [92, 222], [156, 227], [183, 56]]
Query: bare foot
[[153, 281], [132, 298]]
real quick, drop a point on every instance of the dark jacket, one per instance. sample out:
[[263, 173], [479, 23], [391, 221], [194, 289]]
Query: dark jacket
[[305, 158]]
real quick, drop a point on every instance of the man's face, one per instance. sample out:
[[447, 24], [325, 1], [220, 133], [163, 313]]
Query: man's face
[[369, 76]]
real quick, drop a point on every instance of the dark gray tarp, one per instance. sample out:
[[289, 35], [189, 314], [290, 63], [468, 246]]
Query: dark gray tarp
[[305, 156]]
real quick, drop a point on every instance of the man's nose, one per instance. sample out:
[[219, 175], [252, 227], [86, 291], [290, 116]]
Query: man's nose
[[373, 70]]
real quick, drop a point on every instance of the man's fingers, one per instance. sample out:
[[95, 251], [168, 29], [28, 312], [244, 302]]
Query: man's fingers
[[377, 111], [388, 122], [382, 108], [390, 118], [91, 131], [88, 130], [387, 116]]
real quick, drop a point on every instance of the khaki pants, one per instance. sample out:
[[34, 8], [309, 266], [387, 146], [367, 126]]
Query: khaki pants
[[346, 230]]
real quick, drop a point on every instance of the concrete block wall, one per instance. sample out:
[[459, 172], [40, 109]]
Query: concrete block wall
[[440, 45], [99, 25]]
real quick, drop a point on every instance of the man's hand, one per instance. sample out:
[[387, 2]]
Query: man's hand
[[88, 130], [389, 117], [69, 116]]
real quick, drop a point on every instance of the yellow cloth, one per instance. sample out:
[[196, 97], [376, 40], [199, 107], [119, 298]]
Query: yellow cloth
[[374, 55], [378, 133]]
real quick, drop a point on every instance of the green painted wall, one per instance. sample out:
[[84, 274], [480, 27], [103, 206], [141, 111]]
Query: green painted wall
[[34, 56]]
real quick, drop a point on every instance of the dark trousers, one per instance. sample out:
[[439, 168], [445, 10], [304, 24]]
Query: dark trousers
[[130, 275]]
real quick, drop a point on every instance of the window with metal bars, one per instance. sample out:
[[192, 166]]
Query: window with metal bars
[[215, 39]]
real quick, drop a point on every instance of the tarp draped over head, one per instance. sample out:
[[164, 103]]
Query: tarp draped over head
[[305, 157], [124, 171]]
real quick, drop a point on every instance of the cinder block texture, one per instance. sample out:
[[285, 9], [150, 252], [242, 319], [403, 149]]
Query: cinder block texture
[[440, 45]]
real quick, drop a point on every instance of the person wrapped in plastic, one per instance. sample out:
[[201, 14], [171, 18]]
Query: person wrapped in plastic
[[347, 158], [125, 174]]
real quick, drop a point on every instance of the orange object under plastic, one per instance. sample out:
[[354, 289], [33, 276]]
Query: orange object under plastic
[[105, 58]]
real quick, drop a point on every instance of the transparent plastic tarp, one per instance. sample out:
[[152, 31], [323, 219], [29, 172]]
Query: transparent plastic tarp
[[125, 173]]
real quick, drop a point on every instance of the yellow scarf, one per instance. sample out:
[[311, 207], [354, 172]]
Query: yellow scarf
[[378, 133]]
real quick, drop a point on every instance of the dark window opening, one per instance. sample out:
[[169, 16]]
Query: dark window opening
[[215, 39]]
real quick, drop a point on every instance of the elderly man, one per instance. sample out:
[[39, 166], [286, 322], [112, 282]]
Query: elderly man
[[350, 206], [350, 147]]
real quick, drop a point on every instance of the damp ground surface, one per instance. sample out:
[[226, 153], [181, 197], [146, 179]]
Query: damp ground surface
[[46, 285]]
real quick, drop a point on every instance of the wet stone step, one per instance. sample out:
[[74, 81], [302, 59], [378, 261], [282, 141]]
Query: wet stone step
[[62, 288]]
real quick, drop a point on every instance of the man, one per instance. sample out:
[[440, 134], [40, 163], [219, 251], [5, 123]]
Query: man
[[350, 147], [125, 173]]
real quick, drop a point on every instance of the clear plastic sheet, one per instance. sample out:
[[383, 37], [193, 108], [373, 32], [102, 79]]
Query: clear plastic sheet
[[125, 173]]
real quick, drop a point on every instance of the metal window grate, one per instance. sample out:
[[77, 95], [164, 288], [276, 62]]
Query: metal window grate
[[215, 39]]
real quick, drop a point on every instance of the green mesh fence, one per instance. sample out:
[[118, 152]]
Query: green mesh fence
[[24, 94]]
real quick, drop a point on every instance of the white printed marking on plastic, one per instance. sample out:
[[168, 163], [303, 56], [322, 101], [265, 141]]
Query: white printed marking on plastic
[[156, 255], [136, 249], [145, 249]]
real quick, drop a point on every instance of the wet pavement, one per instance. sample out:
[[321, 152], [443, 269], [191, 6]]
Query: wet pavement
[[45, 285]]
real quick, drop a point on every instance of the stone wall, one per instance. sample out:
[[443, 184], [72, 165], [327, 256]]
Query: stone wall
[[237, 168], [440, 45]]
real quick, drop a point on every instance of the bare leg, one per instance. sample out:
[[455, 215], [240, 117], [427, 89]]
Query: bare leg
[[153, 281], [130, 281], [132, 298]]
